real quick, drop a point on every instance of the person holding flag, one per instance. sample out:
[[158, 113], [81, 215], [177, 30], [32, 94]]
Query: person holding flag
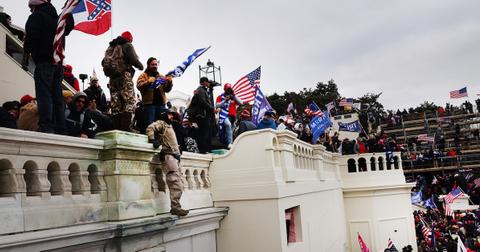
[[227, 102], [154, 98]]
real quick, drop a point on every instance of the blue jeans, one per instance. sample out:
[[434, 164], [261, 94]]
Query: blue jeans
[[48, 91], [152, 112], [228, 131]]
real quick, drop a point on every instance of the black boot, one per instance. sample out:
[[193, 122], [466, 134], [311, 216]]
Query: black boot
[[126, 121], [116, 121]]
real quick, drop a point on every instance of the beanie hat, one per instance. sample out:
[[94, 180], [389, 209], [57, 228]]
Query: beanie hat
[[227, 86], [36, 2], [26, 99], [67, 93], [127, 35], [68, 68], [11, 105]]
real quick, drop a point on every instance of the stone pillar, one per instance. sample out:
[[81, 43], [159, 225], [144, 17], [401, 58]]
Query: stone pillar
[[126, 161]]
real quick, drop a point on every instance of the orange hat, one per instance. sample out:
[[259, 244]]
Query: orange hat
[[127, 35], [26, 99]]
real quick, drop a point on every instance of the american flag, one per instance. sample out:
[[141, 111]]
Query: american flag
[[313, 109], [58, 46], [426, 231], [390, 246], [245, 87], [363, 246], [425, 138], [448, 210], [346, 102], [330, 106], [451, 196], [459, 93]]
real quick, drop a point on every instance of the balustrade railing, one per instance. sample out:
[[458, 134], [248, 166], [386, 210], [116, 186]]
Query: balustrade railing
[[49, 181]]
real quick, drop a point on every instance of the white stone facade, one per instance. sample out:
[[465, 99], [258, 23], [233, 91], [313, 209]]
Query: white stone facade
[[267, 173], [98, 194], [108, 194]]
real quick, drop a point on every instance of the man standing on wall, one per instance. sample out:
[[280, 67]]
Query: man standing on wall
[[161, 133], [118, 63], [40, 32], [154, 98], [201, 111]]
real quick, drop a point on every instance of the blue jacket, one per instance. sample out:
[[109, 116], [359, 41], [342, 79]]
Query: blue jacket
[[266, 124]]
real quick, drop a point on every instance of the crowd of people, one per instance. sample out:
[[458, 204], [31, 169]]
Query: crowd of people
[[447, 228]]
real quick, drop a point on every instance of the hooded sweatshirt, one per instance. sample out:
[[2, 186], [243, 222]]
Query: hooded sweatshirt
[[78, 122]]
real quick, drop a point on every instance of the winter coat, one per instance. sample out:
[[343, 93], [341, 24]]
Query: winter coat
[[40, 32], [244, 126], [7, 120], [28, 118], [78, 122], [267, 124], [150, 95], [99, 96], [200, 106]]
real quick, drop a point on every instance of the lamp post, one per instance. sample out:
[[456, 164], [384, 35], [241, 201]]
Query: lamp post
[[213, 73], [83, 77]]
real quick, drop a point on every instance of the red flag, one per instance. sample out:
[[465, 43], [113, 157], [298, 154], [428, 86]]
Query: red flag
[[363, 246]]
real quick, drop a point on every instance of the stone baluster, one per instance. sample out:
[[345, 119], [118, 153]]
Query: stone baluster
[[198, 180], [205, 178], [36, 180]]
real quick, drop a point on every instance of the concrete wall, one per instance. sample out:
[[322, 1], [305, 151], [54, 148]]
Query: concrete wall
[[377, 202], [267, 172], [14, 81], [105, 194]]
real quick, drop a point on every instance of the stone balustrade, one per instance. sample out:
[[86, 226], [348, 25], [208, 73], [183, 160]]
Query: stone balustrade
[[371, 169], [49, 181]]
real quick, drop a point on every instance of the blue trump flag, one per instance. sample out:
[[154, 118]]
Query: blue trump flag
[[354, 126], [180, 69], [260, 106], [319, 124], [417, 197], [430, 203]]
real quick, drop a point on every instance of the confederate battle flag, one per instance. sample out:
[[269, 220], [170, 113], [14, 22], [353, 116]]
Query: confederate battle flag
[[93, 16]]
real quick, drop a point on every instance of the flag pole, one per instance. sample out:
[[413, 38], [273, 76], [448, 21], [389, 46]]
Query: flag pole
[[111, 20]]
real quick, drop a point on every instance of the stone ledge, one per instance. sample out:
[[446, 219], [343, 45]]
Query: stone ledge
[[77, 235]]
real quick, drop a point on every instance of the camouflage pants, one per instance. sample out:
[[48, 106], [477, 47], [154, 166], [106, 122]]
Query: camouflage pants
[[174, 180], [122, 94]]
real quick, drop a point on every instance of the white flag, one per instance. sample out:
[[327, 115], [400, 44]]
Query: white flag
[[460, 246]]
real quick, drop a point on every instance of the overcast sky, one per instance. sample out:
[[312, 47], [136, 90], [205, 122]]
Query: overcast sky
[[409, 50]]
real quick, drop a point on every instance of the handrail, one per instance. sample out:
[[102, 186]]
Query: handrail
[[19, 45]]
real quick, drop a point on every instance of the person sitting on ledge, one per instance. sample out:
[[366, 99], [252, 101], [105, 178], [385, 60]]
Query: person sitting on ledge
[[9, 114], [79, 123], [161, 133]]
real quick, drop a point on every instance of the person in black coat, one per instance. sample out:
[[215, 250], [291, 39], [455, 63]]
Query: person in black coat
[[79, 122], [201, 111], [9, 114], [40, 32], [95, 92]]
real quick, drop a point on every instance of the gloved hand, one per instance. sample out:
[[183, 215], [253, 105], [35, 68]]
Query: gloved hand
[[155, 143]]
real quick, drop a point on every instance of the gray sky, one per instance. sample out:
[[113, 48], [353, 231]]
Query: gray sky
[[410, 50]]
